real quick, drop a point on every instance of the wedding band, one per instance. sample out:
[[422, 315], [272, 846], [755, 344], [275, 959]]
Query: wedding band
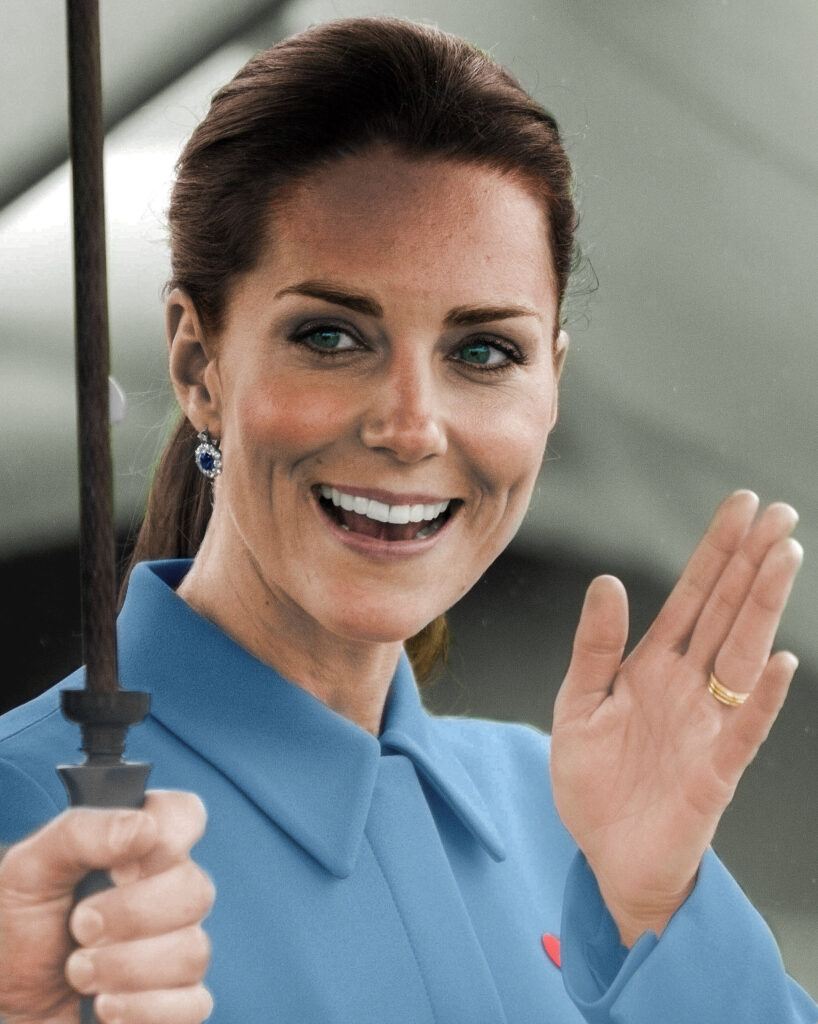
[[725, 696]]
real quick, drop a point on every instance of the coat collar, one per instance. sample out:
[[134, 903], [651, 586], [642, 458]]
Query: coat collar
[[310, 770]]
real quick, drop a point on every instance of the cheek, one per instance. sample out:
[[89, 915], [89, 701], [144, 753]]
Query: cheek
[[291, 418], [507, 446]]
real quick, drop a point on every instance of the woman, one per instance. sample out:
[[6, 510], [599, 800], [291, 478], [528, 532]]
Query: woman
[[372, 232]]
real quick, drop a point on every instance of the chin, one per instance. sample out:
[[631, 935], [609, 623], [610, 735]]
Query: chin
[[380, 627]]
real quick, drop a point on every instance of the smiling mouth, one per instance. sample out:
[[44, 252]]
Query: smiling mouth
[[381, 521]]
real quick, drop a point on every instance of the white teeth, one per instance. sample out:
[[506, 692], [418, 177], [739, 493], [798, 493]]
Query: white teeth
[[380, 511]]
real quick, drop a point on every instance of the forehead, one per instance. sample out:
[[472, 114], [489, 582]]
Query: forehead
[[414, 226]]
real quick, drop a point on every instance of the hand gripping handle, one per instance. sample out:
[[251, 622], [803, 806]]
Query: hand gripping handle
[[104, 780], [117, 785]]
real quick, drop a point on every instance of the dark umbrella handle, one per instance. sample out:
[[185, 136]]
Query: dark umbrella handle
[[114, 785], [103, 711], [104, 779]]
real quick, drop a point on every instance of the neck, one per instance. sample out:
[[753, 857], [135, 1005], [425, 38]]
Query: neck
[[351, 677]]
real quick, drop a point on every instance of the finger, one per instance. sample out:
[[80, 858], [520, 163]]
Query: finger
[[599, 644], [775, 522], [50, 862], [747, 646], [173, 899], [190, 1005], [180, 820], [729, 526], [746, 727], [165, 961]]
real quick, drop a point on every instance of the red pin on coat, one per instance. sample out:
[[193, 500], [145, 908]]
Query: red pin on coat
[[551, 945]]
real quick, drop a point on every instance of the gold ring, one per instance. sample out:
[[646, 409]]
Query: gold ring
[[725, 696]]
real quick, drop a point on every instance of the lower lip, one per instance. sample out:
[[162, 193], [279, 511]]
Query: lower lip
[[382, 550]]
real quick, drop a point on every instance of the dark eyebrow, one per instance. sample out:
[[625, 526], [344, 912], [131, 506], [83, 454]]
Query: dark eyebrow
[[338, 296], [460, 316], [468, 316]]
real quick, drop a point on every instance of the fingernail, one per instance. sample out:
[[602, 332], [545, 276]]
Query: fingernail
[[123, 829], [110, 1008], [80, 971], [87, 925]]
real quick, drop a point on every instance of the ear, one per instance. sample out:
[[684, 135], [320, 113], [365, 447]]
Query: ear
[[560, 352], [194, 370]]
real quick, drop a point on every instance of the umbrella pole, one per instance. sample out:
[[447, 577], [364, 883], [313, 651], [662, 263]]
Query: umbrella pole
[[103, 711]]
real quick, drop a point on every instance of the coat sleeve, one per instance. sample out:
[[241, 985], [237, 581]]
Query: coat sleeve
[[715, 963], [24, 804]]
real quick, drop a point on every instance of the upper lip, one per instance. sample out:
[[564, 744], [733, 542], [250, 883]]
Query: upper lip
[[387, 497]]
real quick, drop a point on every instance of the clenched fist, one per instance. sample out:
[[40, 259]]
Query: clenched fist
[[138, 947]]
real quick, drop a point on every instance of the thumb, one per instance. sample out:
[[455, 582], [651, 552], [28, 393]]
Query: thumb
[[51, 861], [599, 644]]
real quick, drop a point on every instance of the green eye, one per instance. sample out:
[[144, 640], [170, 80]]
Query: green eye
[[326, 339], [481, 353]]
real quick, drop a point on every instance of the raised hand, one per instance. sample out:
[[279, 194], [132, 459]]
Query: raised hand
[[140, 942], [644, 758]]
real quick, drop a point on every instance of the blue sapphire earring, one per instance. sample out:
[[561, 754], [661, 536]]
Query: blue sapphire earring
[[207, 456]]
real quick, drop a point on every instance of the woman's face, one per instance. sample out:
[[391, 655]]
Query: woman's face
[[389, 358]]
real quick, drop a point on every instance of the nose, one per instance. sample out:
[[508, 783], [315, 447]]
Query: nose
[[405, 416]]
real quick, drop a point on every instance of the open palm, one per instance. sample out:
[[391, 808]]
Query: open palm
[[644, 759]]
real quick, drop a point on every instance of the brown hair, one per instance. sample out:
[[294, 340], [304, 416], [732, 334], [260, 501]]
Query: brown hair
[[333, 91]]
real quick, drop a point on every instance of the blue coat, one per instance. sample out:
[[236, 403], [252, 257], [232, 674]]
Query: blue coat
[[409, 878]]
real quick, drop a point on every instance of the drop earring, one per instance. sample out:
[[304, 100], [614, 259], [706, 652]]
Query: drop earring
[[207, 456]]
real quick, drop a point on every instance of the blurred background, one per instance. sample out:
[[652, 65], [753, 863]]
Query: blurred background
[[693, 370]]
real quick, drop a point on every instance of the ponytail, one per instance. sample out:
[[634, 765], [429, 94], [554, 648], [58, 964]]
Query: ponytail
[[178, 508]]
